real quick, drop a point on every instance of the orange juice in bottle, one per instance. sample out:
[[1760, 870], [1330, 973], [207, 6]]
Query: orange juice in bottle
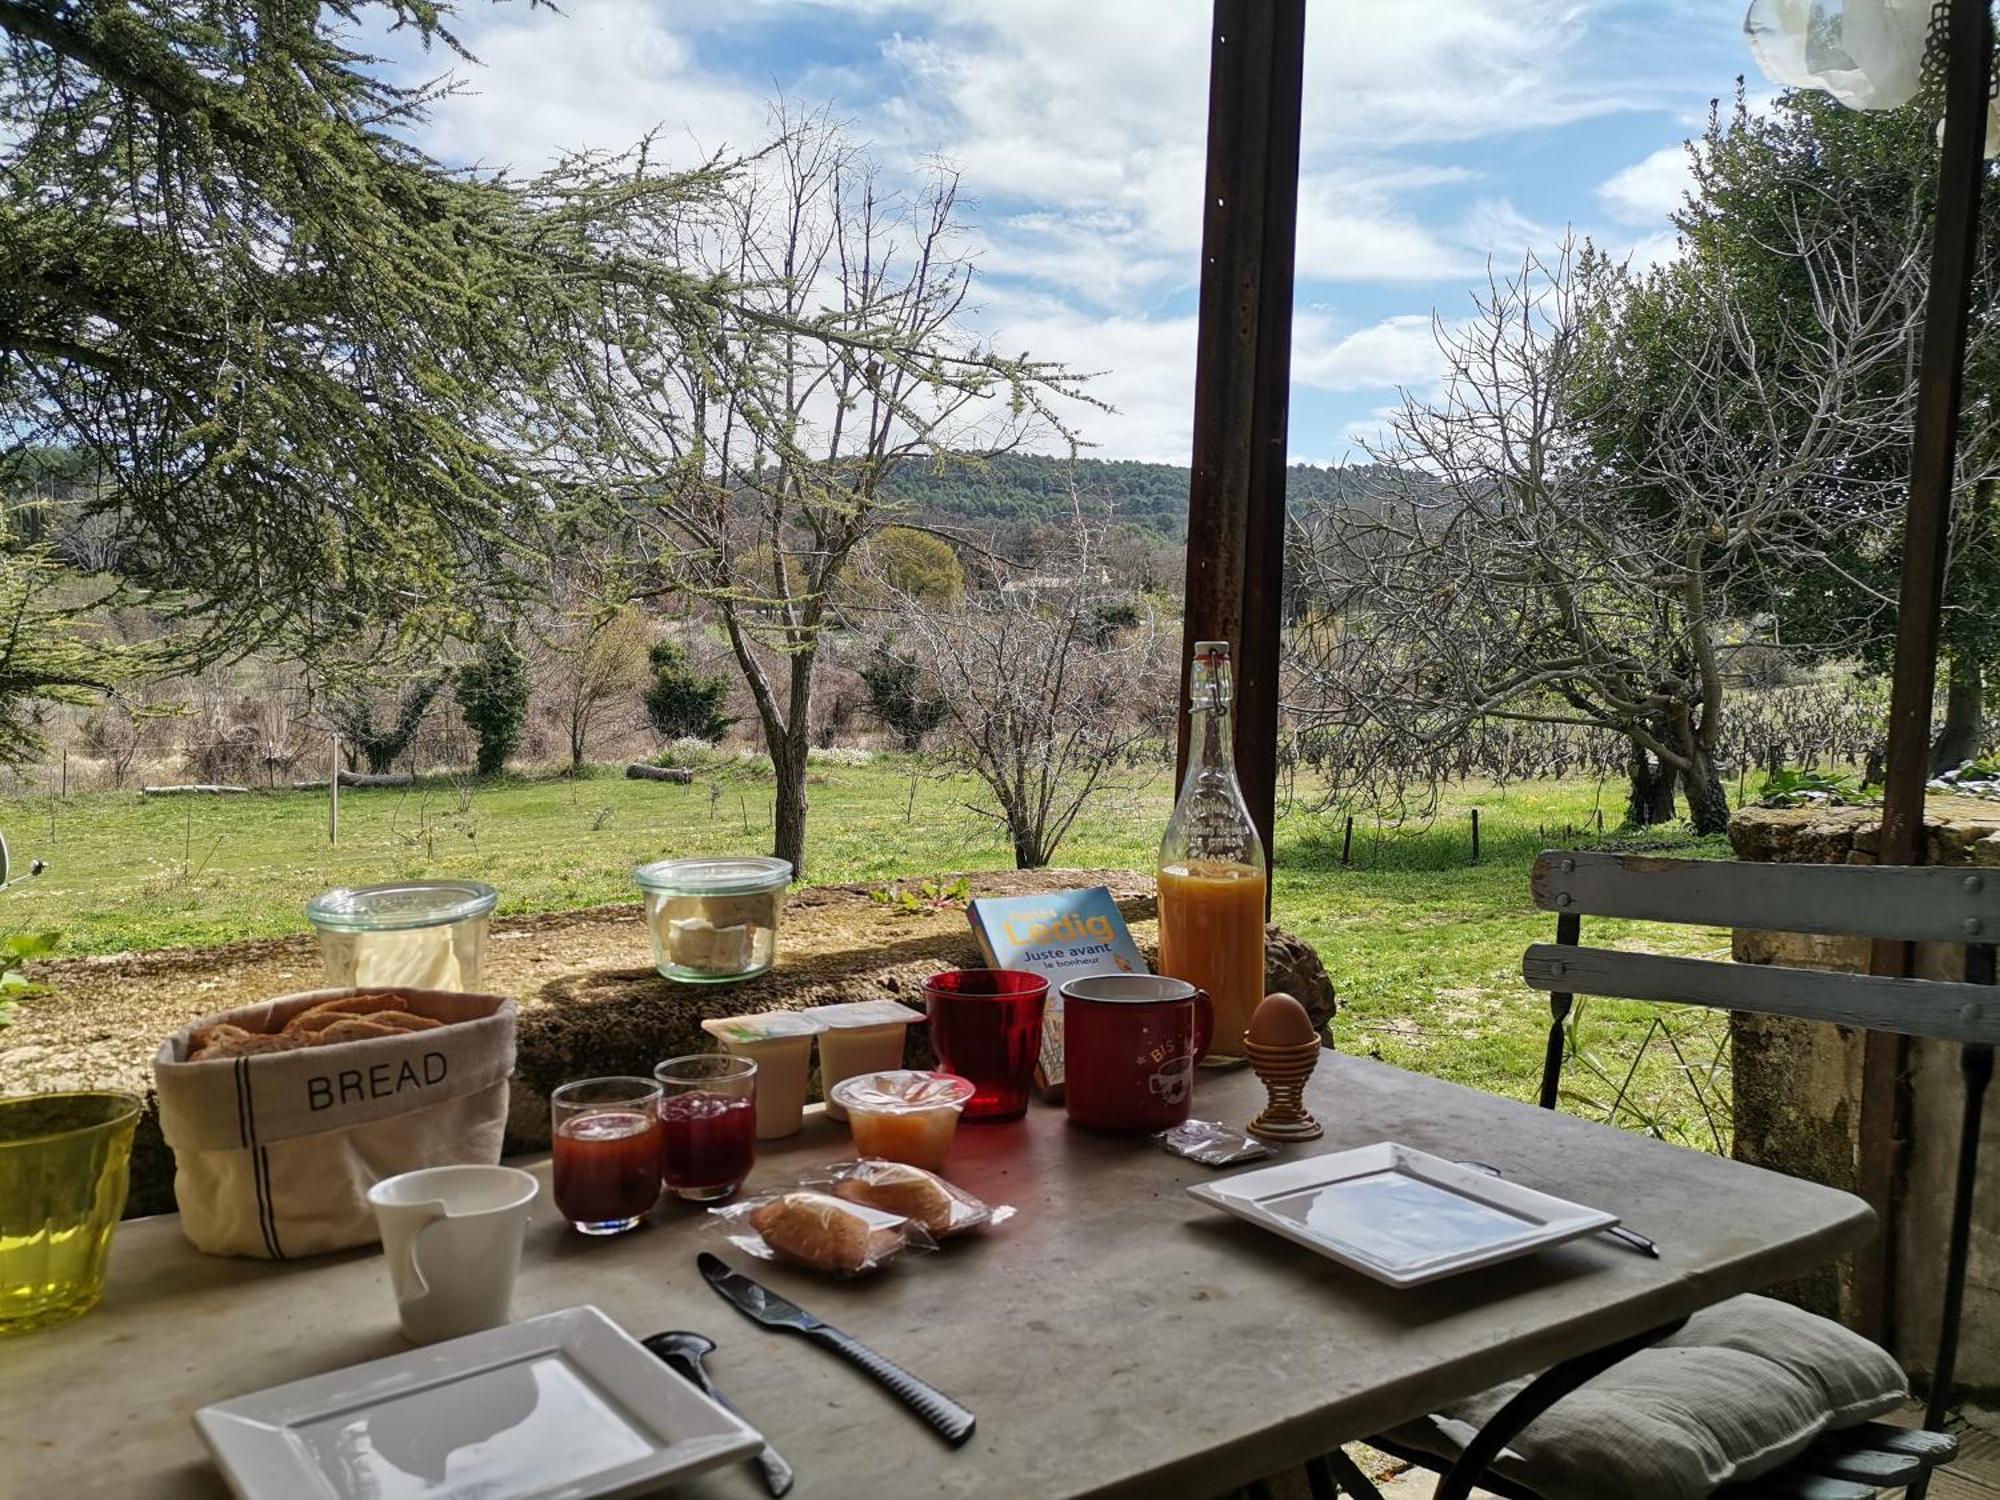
[[1212, 877]]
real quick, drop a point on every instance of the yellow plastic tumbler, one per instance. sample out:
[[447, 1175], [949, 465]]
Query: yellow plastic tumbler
[[64, 1167]]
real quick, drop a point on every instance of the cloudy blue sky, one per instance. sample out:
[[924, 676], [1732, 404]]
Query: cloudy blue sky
[[1438, 134]]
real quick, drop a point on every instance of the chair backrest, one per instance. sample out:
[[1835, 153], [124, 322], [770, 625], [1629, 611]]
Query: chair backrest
[[1904, 903], [1896, 903]]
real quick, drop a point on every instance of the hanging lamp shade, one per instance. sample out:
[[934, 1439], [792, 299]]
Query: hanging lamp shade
[[1868, 54]]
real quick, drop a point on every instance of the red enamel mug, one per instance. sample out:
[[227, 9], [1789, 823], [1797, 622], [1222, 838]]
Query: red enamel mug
[[1130, 1043]]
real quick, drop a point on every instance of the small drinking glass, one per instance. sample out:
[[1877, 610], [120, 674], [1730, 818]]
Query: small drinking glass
[[986, 1025], [709, 1115], [607, 1152], [63, 1172]]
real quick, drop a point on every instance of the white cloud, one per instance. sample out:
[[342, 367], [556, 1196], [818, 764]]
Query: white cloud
[[1144, 367], [1397, 352], [1648, 191], [599, 77]]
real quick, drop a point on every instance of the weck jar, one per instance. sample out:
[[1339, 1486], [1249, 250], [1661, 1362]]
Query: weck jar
[[416, 934], [714, 921]]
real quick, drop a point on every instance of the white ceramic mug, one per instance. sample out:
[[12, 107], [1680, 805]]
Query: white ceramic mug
[[452, 1237]]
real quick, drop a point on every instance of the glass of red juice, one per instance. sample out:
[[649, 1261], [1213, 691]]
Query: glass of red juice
[[986, 1026], [708, 1122], [606, 1133]]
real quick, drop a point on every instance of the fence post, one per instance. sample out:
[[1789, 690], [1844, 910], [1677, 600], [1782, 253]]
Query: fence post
[[65, 774], [1475, 835], [1347, 841], [333, 792]]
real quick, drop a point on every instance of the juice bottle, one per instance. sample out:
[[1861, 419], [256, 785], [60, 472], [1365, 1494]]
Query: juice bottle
[[1212, 877]]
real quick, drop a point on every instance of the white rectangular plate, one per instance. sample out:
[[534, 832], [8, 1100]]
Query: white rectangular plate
[[567, 1405], [1400, 1215]]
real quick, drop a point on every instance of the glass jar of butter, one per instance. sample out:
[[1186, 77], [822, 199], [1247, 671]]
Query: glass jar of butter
[[713, 920], [414, 934]]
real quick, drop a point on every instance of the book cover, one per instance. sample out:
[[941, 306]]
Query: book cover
[[1060, 935]]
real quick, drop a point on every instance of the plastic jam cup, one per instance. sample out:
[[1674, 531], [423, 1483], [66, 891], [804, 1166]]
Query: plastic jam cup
[[419, 934], [906, 1115], [606, 1135], [780, 1043], [986, 1025], [64, 1161], [709, 1114]]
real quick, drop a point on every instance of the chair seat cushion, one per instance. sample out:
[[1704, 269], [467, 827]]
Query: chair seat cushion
[[1742, 1388]]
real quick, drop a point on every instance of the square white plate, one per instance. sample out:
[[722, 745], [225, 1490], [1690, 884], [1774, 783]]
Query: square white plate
[[565, 1405], [1400, 1215]]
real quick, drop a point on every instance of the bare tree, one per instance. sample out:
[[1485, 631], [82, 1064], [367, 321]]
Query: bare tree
[[1503, 569], [1054, 688], [593, 673], [757, 461]]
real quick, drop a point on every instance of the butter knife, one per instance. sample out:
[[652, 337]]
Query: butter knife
[[760, 1304]]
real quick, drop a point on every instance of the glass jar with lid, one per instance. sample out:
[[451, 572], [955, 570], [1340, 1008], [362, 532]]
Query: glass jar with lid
[[417, 934], [714, 921]]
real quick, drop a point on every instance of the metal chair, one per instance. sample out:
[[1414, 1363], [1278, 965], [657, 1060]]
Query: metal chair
[[1893, 903]]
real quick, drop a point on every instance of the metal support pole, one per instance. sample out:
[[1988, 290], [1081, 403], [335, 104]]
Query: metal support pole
[[1242, 382], [1926, 545], [333, 792]]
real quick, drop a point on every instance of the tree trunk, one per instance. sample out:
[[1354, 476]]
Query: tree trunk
[[1707, 797], [1964, 717], [788, 762], [1028, 851], [1651, 798]]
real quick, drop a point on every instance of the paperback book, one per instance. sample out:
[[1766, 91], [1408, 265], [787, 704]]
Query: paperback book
[[1060, 935]]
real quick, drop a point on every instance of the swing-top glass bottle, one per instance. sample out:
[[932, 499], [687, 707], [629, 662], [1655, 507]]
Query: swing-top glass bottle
[[1212, 872]]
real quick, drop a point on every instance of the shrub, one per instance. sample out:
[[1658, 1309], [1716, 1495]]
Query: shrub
[[493, 690], [899, 700], [681, 702]]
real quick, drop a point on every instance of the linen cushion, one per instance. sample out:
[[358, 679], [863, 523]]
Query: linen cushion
[[1745, 1386]]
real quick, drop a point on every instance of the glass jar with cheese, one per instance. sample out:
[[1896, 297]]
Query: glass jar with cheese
[[412, 934], [713, 921]]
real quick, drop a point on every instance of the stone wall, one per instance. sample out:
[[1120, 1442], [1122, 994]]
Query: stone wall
[[1798, 1084]]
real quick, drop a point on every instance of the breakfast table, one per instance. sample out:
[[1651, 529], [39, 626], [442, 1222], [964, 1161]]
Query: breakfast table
[[1114, 1337]]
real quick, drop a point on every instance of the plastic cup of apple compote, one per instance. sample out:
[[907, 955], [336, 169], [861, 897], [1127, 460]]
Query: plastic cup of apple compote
[[907, 1115]]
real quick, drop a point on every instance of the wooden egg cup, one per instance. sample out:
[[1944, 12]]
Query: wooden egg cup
[[1284, 1071]]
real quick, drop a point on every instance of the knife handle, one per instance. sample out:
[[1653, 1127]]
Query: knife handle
[[952, 1421]]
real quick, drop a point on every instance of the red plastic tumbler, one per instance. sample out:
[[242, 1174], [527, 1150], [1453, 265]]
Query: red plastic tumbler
[[986, 1025]]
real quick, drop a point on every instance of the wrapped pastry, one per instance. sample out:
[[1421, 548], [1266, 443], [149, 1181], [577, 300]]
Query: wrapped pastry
[[898, 1188], [822, 1231]]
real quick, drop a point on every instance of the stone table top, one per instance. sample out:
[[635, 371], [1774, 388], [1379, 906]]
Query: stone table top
[[1115, 1337]]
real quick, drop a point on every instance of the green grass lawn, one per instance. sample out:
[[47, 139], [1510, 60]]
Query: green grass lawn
[[1423, 945]]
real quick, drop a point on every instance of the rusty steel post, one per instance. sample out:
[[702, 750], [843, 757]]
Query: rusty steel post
[[1242, 385], [1926, 546]]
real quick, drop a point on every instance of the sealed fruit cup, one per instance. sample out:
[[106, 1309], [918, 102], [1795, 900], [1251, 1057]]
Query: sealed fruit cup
[[413, 934], [713, 921], [906, 1115], [780, 1043], [858, 1036]]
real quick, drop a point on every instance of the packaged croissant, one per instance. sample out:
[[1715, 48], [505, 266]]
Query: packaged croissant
[[898, 1188], [822, 1231]]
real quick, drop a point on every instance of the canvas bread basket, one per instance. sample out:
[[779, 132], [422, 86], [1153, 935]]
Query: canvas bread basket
[[274, 1153]]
